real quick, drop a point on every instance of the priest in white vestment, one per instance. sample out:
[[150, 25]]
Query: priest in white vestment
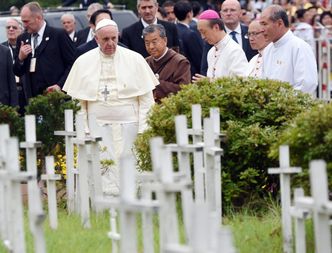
[[289, 59], [259, 43], [226, 58], [115, 84]]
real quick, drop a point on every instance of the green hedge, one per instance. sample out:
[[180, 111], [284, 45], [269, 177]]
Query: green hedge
[[252, 113], [309, 138]]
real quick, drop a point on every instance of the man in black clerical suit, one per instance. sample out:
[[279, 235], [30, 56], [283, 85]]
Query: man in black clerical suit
[[132, 35], [45, 53]]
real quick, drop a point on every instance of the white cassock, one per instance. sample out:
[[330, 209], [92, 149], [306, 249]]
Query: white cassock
[[226, 59], [255, 68], [292, 60], [117, 89]]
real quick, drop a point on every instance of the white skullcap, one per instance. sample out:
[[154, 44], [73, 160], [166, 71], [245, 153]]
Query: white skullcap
[[105, 22]]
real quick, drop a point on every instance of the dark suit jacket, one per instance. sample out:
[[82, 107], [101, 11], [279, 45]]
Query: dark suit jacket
[[245, 43], [77, 40], [84, 3], [132, 37], [82, 35], [54, 58], [8, 94], [191, 46]]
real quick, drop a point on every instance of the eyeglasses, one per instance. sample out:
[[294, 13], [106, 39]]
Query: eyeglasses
[[253, 34], [11, 26]]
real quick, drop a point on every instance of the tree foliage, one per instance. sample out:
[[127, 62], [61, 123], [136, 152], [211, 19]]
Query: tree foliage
[[309, 137], [252, 113]]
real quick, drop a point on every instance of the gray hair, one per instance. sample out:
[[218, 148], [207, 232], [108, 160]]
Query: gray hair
[[68, 15], [35, 8], [277, 12], [139, 2], [154, 28], [19, 23]]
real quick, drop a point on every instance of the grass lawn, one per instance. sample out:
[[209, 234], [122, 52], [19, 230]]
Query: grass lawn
[[252, 234]]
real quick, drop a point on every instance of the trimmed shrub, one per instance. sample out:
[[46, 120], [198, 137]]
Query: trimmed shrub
[[309, 137], [252, 113], [49, 112], [10, 116]]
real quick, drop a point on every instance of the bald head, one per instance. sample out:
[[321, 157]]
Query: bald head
[[256, 37], [231, 13]]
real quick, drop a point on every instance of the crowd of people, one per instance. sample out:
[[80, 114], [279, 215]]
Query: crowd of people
[[119, 78]]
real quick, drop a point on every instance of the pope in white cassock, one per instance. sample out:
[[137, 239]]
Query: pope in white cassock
[[289, 59], [115, 84]]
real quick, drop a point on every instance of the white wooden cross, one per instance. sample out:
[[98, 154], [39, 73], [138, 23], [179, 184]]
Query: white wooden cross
[[14, 205], [94, 172], [51, 179], [71, 171], [4, 135], [299, 215], [36, 213], [213, 168], [199, 170], [82, 141], [285, 171], [320, 206], [128, 206]]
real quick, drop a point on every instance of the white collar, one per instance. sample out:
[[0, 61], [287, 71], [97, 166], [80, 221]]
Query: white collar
[[146, 24], [237, 29], [283, 39], [222, 43], [42, 30]]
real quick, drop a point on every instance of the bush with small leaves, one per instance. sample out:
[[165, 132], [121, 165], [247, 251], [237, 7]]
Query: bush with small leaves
[[252, 114]]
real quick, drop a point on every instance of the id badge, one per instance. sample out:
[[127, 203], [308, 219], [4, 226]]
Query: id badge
[[17, 79], [33, 64]]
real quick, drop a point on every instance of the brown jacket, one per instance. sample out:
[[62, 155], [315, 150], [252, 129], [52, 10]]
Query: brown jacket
[[173, 69]]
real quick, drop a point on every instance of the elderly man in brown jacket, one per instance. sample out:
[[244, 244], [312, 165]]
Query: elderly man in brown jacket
[[170, 67]]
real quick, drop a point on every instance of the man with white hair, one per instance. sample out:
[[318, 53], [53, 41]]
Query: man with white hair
[[115, 84], [69, 25]]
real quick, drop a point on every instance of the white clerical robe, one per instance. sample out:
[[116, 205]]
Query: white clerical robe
[[226, 59], [291, 59], [255, 68], [116, 89]]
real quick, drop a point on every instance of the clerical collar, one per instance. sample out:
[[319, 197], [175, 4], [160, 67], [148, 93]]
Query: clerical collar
[[166, 50], [146, 24], [222, 43], [237, 29], [284, 39]]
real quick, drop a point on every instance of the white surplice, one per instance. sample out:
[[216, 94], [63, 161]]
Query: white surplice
[[226, 59], [292, 60]]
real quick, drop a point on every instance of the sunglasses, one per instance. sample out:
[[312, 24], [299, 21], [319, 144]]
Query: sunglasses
[[11, 26]]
